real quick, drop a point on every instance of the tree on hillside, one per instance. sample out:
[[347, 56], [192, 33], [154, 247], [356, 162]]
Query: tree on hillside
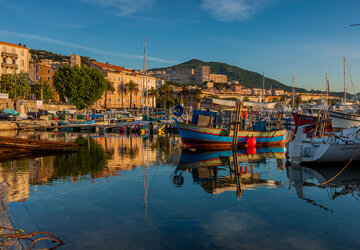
[[131, 87], [81, 86]]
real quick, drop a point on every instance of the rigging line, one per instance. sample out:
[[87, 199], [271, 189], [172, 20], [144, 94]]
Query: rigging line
[[352, 83], [337, 38], [342, 170]]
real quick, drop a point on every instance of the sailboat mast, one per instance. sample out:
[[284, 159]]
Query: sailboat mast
[[263, 86], [345, 82], [145, 87], [327, 89], [293, 93]]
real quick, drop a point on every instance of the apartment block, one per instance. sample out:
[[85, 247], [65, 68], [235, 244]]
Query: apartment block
[[119, 76], [218, 78], [202, 74], [14, 58]]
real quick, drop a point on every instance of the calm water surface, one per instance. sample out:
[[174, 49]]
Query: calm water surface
[[121, 192]]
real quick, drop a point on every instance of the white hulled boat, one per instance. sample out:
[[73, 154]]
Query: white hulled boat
[[338, 147]]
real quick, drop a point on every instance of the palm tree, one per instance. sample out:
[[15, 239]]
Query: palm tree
[[109, 87], [131, 87], [122, 91], [184, 93], [165, 90], [153, 93], [197, 94]]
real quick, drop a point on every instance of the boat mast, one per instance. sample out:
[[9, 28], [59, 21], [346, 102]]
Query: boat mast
[[145, 87], [293, 94], [327, 89], [345, 82], [263, 86]]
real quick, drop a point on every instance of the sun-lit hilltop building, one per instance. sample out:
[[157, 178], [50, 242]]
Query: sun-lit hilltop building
[[119, 76], [75, 60], [14, 58]]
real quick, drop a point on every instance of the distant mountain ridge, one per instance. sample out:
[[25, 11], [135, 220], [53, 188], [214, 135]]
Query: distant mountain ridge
[[245, 77]]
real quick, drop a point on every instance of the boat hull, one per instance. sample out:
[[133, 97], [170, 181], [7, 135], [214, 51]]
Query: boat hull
[[334, 153], [300, 120], [343, 120], [198, 137]]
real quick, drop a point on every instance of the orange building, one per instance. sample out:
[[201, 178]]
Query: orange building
[[41, 71], [119, 76]]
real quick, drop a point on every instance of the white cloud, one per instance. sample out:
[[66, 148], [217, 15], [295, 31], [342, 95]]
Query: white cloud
[[123, 7], [82, 47], [232, 10]]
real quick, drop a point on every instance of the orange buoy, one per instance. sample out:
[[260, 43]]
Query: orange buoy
[[251, 150], [241, 169], [251, 142], [246, 115], [247, 168]]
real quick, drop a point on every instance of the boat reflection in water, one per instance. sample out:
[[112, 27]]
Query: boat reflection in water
[[221, 171], [344, 183]]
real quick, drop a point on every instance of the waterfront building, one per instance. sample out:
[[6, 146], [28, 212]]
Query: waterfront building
[[202, 74], [14, 58], [218, 78], [119, 76], [238, 89], [42, 70], [75, 60], [278, 92]]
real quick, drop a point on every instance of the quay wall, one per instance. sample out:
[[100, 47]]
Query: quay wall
[[31, 105]]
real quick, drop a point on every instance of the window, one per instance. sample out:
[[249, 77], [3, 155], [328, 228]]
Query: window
[[48, 71], [40, 67], [13, 61], [4, 60], [49, 78], [22, 62], [109, 99]]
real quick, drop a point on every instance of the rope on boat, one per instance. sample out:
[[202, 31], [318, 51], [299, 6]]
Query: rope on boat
[[342, 170], [19, 234]]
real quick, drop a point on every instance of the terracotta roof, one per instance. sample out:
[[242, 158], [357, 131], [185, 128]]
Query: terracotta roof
[[13, 45], [113, 67]]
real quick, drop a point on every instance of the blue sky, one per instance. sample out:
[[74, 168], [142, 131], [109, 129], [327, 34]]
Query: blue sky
[[282, 38]]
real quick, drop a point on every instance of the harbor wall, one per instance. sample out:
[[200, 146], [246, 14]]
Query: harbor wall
[[31, 105]]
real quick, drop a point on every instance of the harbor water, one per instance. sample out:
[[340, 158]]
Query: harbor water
[[143, 192]]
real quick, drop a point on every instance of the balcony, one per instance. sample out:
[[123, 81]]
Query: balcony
[[8, 65], [12, 55]]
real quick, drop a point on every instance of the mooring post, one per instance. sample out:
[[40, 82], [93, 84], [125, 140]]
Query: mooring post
[[236, 125]]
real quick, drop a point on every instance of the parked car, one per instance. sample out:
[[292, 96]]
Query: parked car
[[40, 112], [6, 117]]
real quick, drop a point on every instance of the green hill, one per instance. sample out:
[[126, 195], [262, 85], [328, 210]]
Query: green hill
[[43, 54], [245, 77]]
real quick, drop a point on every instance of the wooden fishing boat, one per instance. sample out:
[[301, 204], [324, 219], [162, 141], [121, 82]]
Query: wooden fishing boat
[[344, 120], [18, 148], [302, 119], [72, 122], [199, 137]]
